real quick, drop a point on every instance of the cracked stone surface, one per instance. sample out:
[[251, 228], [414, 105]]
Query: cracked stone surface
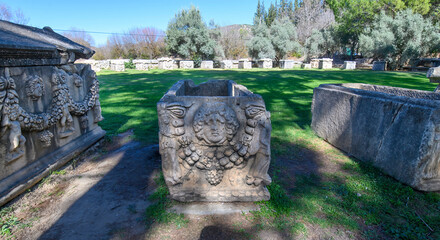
[[395, 129]]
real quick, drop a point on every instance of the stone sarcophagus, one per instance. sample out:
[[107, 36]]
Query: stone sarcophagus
[[215, 142], [395, 129], [49, 107]]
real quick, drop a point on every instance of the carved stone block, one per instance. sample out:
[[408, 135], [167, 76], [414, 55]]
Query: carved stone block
[[166, 63], [325, 63], [244, 64], [226, 64], [349, 65], [289, 64], [49, 107], [215, 142], [207, 65], [314, 63], [265, 63], [395, 129], [379, 66], [186, 64]]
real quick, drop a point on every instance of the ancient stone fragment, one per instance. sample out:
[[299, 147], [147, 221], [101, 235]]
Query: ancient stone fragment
[[325, 63], [214, 141], [207, 65], [186, 64], [349, 65], [44, 101], [395, 129], [379, 66], [244, 64], [265, 63]]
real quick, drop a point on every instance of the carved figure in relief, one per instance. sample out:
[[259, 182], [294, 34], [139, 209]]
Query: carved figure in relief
[[61, 92], [84, 121], [171, 127], [9, 118], [34, 88], [259, 119], [97, 108], [77, 80]]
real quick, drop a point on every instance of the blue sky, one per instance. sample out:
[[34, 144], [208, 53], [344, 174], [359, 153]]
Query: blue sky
[[120, 16]]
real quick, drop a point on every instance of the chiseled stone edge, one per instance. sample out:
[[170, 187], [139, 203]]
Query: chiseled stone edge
[[242, 195], [50, 163]]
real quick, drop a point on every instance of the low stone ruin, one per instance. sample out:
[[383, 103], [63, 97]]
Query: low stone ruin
[[244, 64], [265, 63], [214, 139], [186, 64], [325, 63], [395, 129], [306, 65], [289, 64], [118, 65], [226, 64], [207, 65], [49, 107], [166, 63], [379, 66], [235, 64], [314, 63], [145, 64], [349, 65]]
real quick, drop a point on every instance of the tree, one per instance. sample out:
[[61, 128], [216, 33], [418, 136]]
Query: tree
[[80, 36], [311, 15], [322, 42], [402, 38], [259, 14], [260, 46], [145, 42], [188, 36], [16, 16], [233, 40], [271, 14], [284, 38]]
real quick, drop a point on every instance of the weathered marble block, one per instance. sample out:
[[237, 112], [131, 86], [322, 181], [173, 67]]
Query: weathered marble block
[[349, 65], [244, 64], [98, 65], [395, 129], [49, 107], [314, 63], [306, 66], [142, 64], [379, 66], [166, 63], [325, 63], [226, 64], [207, 65], [118, 65], [289, 64], [265, 63], [235, 64], [214, 141], [186, 64]]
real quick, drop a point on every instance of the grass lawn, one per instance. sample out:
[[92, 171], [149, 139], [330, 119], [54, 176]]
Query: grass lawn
[[341, 194]]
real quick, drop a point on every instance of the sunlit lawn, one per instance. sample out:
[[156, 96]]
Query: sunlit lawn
[[361, 199]]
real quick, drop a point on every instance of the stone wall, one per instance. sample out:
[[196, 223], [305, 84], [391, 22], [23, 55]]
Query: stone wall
[[226, 64], [244, 64], [379, 66], [186, 64], [395, 129], [325, 63], [145, 64], [214, 141]]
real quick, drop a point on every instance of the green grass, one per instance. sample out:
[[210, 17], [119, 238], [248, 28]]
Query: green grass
[[361, 199]]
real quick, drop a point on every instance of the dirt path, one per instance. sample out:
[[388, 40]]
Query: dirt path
[[100, 199], [104, 195]]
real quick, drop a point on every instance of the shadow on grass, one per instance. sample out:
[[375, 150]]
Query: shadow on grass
[[353, 198]]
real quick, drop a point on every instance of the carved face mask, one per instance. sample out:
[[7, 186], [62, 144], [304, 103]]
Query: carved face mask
[[214, 130]]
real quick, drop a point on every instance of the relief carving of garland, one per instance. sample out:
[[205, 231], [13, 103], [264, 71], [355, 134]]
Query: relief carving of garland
[[15, 119], [216, 145]]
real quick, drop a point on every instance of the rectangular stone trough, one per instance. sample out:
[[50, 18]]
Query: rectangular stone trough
[[215, 142], [395, 129]]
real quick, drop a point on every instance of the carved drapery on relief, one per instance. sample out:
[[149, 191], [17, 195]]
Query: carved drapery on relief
[[14, 119]]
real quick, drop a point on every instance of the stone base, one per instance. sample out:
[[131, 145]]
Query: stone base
[[244, 195], [28, 176]]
